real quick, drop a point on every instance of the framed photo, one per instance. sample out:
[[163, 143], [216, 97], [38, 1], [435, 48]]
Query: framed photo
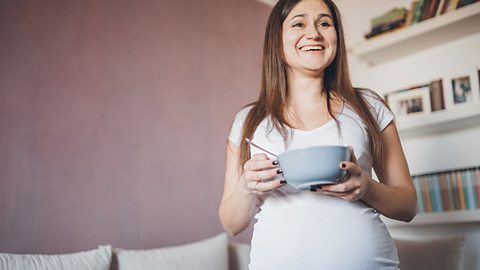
[[410, 102], [462, 88]]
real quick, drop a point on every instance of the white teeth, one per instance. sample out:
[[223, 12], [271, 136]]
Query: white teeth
[[312, 48]]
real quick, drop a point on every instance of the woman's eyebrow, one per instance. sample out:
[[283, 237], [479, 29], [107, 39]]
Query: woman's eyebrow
[[321, 15], [299, 15]]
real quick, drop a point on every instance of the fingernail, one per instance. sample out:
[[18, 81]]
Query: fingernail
[[279, 171], [343, 165], [283, 181], [313, 189], [275, 162]]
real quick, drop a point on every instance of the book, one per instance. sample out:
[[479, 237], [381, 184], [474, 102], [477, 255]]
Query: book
[[437, 196], [385, 28], [453, 5], [468, 190], [445, 6], [392, 15], [426, 194], [461, 191], [418, 190], [418, 11], [477, 178], [455, 192], [442, 180], [439, 8], [409, 18], [450, 191], [429, 10], [463, 3]]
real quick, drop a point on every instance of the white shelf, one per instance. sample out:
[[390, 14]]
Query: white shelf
[[438, 30], [439, 121], [447, 217]]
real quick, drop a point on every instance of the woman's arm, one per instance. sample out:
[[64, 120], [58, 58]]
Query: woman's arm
[[394, 196], [240, 193]]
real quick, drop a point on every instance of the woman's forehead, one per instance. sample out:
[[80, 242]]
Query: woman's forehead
[[309, 8]]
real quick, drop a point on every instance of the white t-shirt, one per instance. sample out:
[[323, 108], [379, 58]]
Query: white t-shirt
[[305, 230]]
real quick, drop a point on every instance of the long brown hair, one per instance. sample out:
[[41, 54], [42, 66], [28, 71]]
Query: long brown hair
[[272, 101]]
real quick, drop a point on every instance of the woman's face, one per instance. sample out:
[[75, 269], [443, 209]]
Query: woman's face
[[309, 37]]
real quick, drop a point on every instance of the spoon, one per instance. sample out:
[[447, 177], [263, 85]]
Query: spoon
[[259, 147]]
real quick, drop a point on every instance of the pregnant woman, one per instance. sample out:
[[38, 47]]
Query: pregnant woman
[[307, 99]]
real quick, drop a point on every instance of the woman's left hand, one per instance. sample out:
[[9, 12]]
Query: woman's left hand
[[355, 184]]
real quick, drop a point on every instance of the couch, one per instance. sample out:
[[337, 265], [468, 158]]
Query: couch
[[219, 253]]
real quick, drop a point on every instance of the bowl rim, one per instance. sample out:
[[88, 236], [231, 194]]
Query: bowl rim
[[313, 147]]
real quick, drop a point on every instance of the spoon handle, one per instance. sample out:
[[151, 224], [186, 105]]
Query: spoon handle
[[259, 147]]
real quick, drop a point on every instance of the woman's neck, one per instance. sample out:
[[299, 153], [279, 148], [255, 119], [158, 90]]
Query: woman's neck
[[304, 89]]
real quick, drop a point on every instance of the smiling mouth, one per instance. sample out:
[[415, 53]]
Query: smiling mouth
[[312, 48]]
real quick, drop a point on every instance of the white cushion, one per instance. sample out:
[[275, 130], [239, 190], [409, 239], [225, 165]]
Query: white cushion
[[209, 254], [97, 259]]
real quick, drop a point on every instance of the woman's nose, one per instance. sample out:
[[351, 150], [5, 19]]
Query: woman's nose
[[313, 33]]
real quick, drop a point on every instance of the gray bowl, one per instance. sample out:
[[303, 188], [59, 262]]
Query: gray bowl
[[316, 165]]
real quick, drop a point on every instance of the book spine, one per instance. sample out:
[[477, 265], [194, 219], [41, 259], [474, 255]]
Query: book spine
[[418, 190], [439, 8], [445, 6], [477, 177], [433, 195], [418, 11], [455, 193], [426, 194], [469, 192], [443, 191], [461, 191], [450, 191], [437, 192]]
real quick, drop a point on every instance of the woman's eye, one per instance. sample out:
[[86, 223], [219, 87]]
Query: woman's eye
[[298, 25], [324, 24]]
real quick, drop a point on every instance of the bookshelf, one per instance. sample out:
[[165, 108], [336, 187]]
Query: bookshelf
[[449, 217], [439, 121], [438, 30]]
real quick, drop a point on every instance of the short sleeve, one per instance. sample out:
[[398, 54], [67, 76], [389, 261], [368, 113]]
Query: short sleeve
[[237, 126], [381, 112]]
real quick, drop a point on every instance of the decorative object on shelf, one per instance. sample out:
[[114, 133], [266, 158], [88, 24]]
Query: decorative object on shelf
[[437, 100], [448, 190], [462, 88], [411, 102], [391, 20]]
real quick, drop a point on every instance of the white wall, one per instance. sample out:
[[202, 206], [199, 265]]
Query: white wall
[[427, 153]]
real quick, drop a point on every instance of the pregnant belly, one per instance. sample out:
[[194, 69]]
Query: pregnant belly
[[311, 231]]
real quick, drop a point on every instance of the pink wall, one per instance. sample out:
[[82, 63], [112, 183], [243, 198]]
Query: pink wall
[[114, 117]]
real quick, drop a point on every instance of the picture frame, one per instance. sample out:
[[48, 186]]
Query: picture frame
[[410, 103], [462, 88]]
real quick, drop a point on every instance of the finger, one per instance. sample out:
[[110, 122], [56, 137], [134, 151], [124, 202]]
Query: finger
[[270, 185], [260, 164], [351, 167], [339, 188], [266, 174]]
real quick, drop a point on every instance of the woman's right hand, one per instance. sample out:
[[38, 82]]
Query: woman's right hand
[[260, 175]]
